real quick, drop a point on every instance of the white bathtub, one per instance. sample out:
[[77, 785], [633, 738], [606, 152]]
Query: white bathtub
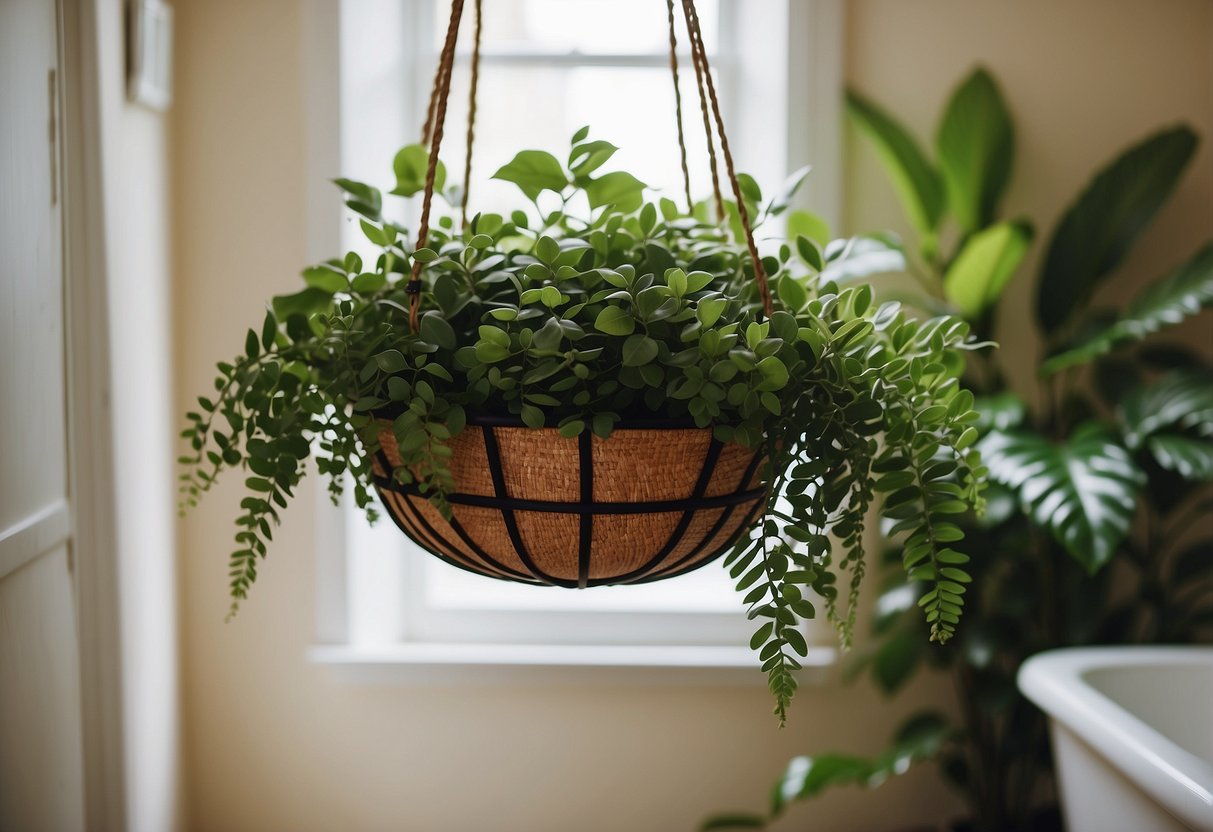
[[1132, 731]]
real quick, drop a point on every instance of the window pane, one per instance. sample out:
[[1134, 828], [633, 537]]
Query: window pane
[[523, 107], [539, 103], [613, 27], [705, 590]]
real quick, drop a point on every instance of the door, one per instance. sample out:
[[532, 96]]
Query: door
[[41, 772]]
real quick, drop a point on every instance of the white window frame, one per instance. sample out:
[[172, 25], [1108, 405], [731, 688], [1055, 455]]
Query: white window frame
[[339, 37]]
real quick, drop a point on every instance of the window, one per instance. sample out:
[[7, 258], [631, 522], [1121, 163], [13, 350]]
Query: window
[[548, 67]]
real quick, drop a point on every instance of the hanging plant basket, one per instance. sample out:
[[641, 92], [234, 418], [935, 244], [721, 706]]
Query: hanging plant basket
[[614, 396], [655, 500], [658, 498]]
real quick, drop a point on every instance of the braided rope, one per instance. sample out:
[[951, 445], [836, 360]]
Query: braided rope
[[697, 47], [709, 104], [471, 133], [442, 93], [682, 144], [700, 70]]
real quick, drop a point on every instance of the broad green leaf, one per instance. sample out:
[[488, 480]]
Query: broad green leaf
[[532, 416], [976, 145], [809, 253], [976, 278], [325, 279], [305, 303], [534, 171], [709, 310], [411, 165], [791, 292], [1002, 411], [809, 776], [807, 224], [590, 156], [897, 658], [750, 190], [1191, 458], [390, 361], [615, 321], [1179, 401], [620, 189], [1184, 293], [269, 328], [1084, 491], [436, 330], [780, 202], [362, 198], [1098, 230], [639, 350], [859, 258], [919, 738], [368, 282], [918, 184]]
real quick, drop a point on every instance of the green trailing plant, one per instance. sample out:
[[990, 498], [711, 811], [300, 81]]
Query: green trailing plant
[[1099, 476], [592, 305]]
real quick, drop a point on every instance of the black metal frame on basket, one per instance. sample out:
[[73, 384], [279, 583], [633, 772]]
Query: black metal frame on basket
[[584, 508], [416, 526]]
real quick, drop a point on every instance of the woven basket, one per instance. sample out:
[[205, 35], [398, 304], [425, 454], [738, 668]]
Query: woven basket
[[655, 500]]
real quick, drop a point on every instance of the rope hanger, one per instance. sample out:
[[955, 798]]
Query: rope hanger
[[709, 105]]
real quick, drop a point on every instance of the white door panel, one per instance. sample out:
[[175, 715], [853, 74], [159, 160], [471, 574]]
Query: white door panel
[[32, 449], [41, 773], [41, 769]]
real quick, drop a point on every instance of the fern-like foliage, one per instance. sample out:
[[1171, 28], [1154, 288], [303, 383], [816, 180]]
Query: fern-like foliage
[[1181, 295], [876, 391]]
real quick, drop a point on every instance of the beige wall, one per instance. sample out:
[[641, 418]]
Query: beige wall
[[275, 743], [1084, 81]]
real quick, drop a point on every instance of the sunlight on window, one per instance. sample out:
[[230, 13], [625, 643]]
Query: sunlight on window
[[586, 27], [631, 107], [704, 590]]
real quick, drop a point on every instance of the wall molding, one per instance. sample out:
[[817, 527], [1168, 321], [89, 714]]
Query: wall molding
[[34, 536], [90, 422]]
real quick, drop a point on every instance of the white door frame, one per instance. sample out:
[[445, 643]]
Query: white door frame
[[89, 419]]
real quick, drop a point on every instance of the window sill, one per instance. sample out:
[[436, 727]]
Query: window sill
[[434, 663]]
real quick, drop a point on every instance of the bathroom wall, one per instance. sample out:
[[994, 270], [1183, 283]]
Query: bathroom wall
[[1084, 80], [276, 743]]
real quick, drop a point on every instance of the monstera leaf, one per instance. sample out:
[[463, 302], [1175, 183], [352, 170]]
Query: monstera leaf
[[1184, 293], [1100, 228], [1084, 490], [1191, 458], [1172, 419]]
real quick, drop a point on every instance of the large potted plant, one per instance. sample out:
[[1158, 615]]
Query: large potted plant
[[1100, 476]]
